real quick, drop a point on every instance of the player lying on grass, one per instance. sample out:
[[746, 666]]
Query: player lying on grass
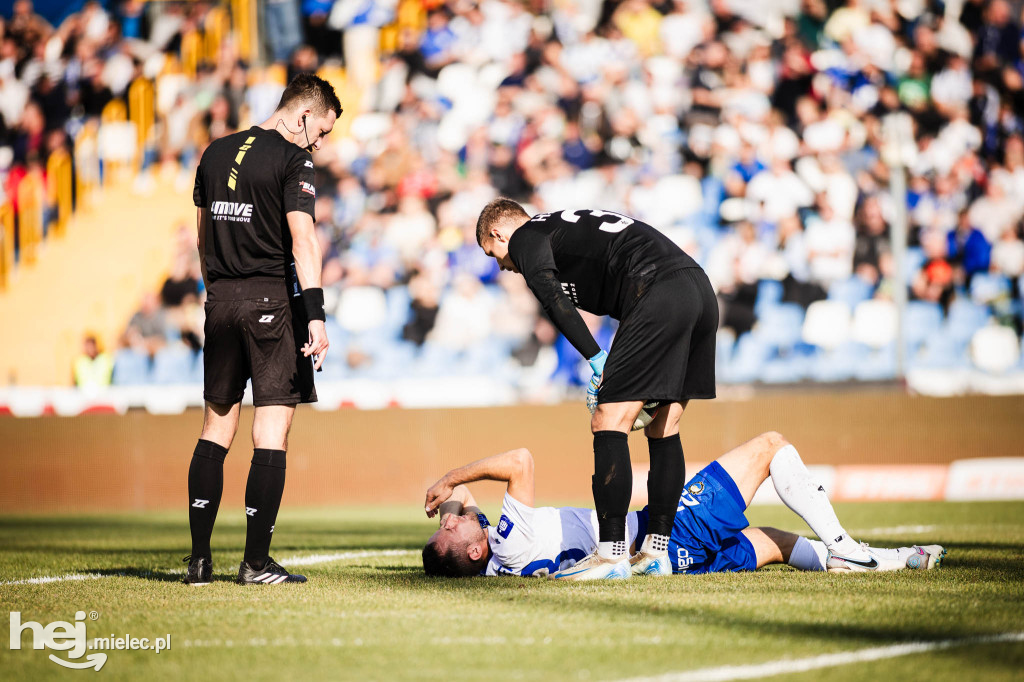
[[710, 533]]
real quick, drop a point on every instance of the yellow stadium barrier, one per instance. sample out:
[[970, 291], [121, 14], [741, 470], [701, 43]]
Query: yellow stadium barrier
[[216, 26], [276, 73], [141, 110], [30, 215], [243, 19], [411, 15], [6, 244], [114, 112], [191, 47], [58, 176]]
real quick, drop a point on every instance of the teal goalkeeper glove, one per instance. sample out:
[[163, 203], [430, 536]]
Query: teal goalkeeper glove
[[597, 365]]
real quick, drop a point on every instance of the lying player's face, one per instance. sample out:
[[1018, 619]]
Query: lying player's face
[[498, 250], [458, 531]]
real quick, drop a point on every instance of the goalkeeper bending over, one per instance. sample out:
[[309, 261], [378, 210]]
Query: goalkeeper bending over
[[710, 533]]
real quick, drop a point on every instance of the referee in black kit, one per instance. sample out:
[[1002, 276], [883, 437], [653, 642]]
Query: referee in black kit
[[664, 350], [254, 192]]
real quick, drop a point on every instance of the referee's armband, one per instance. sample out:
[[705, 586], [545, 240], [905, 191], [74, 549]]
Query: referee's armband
[[313, 300]]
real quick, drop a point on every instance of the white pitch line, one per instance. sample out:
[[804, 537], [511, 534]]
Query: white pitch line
[[54, 579], [727, 673], [341, 556], [894, 530], [311, 560]]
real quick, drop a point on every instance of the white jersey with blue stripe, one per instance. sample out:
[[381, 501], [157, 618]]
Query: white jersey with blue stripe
[[532, 541]]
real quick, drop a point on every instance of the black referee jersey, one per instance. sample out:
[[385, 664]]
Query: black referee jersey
[[249, 182]]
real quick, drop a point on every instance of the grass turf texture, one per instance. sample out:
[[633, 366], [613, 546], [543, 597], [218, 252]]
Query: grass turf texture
[[381, 618]]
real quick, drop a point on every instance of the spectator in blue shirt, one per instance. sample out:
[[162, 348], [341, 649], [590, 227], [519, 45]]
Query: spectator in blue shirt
[[438, 41], [968, 248]]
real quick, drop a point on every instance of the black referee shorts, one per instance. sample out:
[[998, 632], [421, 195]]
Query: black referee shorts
[[254, 330], [664, 348]]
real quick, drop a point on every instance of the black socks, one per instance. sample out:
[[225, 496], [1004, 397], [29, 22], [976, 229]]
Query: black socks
[[665, 483], [612, 484], [262, 500], [205, 485]]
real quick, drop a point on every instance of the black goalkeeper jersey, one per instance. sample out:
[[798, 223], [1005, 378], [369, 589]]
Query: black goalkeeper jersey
[[249, 182], [600, 261]]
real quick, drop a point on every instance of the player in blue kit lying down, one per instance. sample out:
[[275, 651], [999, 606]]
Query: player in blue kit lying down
[[710, 534]]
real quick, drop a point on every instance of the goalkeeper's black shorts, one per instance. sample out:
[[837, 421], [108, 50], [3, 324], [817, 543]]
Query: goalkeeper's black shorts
[[664, 348]]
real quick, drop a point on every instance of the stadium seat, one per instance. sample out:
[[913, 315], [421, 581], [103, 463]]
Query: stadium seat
[[921, 321], [850, 291], [940, 351], [964, 319], [130, 368], [788, 369], [724, 345], [995, 349], [362, 308], [827, 324], [769, 293], [335, 334], [913, 262], [398, 301], [987, 287], [874, 323], [750, 355], [436, 360], [780, 325], [196, 375], [839, 364], [878, 364], [172, 365]]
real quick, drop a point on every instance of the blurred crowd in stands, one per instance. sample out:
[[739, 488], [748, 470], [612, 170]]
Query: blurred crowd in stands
[[752, 133]]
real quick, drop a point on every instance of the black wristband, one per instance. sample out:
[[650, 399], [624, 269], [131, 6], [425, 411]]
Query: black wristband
[[313, 300]]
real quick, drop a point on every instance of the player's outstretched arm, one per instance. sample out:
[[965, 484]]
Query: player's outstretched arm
[[532, 256], [514, 467]]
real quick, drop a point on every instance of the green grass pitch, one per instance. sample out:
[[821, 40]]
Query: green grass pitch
[[374, 616]]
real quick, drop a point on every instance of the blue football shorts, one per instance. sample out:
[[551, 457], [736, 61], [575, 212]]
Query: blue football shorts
[[706, 535]]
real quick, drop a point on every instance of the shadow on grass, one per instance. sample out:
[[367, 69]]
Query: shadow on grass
[[143, 573]]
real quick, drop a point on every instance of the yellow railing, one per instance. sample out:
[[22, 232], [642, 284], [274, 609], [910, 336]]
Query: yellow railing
[[30, 215], [191, 52], [216, 27], [243, 19], [71, 177], [6, 244], [141, 103], [59, 189]]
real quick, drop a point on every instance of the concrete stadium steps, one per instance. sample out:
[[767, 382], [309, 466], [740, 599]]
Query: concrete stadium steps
[[118, 245]]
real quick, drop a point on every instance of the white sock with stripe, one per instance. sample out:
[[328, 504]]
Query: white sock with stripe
[[805, 496]]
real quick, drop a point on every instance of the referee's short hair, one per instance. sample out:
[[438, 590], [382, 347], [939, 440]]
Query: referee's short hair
[[312, 91], [498, 210]]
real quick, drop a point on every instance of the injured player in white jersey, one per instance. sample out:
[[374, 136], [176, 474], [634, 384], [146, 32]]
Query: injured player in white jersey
[[710, 534]]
